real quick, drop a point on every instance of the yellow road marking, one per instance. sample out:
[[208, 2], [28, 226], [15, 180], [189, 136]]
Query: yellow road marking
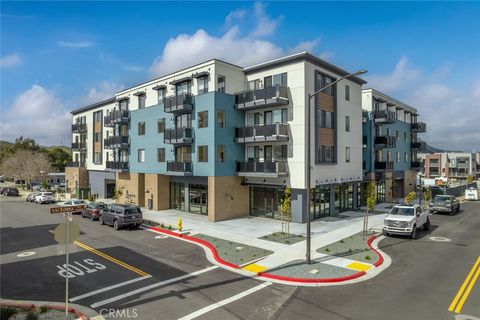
[[255, 268], [462, 288], [359, 266], [110, 258], [467, 292]]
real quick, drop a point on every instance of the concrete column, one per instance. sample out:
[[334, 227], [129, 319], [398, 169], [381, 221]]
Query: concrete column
[[299, 205], [187, 197], [355, 194], [332, 201]]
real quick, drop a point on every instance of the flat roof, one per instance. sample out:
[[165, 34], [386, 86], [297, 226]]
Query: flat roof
[[395, 101], [92, 106]]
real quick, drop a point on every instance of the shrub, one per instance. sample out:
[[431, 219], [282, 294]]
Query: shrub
[[169, 227], [327, 250], [341, 241], [7, 312], [367, 257], [31, 316], [43, 309]]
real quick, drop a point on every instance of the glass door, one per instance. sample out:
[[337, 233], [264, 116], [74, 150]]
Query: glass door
[[268, 155], [177, 196], [198, 199]]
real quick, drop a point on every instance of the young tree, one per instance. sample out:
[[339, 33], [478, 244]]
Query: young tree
[[427, 195], [286, 210], [371, 202], [469, 179], [410, 197]]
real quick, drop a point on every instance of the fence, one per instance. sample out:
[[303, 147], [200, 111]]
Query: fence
[[452, 191]]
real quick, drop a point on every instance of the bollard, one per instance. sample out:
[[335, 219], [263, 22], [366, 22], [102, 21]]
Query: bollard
[[179, 225]]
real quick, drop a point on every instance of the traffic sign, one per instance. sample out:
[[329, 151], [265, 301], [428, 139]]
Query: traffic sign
[[61, 233], [68, 216], [66, 209]]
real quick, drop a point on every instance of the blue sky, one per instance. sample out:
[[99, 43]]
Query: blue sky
[[56, 56]]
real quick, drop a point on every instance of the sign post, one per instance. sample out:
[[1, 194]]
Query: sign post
[[62, 234]]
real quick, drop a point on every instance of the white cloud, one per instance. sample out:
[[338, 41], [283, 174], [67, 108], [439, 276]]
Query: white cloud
[[10, 60], [305, 46], [102, 91], [234, 16], [76, 44], [451, 113], [38, 114], [265, 24]]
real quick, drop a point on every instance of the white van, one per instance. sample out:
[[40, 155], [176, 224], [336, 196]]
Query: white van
[[471, 194]]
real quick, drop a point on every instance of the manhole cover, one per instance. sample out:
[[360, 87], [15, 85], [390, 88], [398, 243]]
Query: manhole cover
[[26, 254], [440, 239]]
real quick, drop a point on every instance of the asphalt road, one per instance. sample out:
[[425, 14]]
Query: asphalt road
[[150, 277]]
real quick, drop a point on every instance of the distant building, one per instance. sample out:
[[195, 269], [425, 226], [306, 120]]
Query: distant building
[[451, 165]]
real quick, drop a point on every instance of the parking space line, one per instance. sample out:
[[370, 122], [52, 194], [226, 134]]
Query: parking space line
[[216, 305], [152, 286], [112, 259], [92, 293], [463, 294]]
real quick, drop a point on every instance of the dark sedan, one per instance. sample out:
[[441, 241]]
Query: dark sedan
[[93, 210], [445, 203]]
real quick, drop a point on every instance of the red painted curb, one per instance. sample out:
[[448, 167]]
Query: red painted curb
[[380, 257], [199, 241], [311, 280]]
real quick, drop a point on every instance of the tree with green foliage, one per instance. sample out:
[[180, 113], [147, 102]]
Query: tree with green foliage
[[371, 202], [286, 210], [410, 197], [59, 158], [427, 195], [469, 179]]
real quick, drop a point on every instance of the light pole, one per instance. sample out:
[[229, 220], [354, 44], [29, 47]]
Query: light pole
[[308, 162]]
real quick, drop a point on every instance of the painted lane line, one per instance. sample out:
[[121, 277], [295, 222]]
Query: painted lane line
[[152, 286], [216, 305], [464, 285], [92, 293], [467, 292]]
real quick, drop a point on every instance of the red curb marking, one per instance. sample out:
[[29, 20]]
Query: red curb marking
[[380, 257], [199, 241], [311, 280]]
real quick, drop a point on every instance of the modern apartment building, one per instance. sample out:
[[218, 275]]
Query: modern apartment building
[[451, 165], [225, 141], [390, 144]]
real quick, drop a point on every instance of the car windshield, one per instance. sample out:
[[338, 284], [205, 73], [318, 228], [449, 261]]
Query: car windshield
[[48, 194], [78, 202], [101, 206], [132, 211], [401, 211], [442, 199]]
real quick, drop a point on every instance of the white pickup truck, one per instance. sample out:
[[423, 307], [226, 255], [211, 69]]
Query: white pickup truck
[[405, 219]]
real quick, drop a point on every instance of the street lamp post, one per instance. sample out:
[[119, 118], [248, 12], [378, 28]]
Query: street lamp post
[[308, 162]]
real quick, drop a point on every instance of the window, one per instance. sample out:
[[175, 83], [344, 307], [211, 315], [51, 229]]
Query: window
[[97, 157], [141, 155], [203, 119], [141, 101], [221, 153], [253, 84], [202, 153], [347, 93], [328, 120], [141, 128], [325, 119], [324, 81], [405, 136], [96, 136], [397, 135], [97, 116], [347, 154], [182, 88], [161, 125], [398, 156], [328, 154], [161, 154], [183, 121], [221, 119], [221, 84], [123, 104], [405, 157], [272, 81], [161, 95], [347, 123], [202, 85]]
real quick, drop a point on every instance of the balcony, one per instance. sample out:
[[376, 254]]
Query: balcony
[[179, 168], [261, 98], [75, 164], [385, 142], [384, 116], [419, 146], [383, 165], [119, 117], [419, 127], [116, 142], [79, 128], [117, 165], [79, 146], [266, 169], [178, 136], [269, 132], [415, 165], [179, 104]]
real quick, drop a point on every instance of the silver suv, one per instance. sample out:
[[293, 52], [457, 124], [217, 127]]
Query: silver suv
[[121, 215]]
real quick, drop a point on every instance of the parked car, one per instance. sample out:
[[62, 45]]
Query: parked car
[[121, 215], [45, 197], [93, 210], [11, 192], [405, 219], [445, 203], [75, 202], [31, 196], [3, 189]]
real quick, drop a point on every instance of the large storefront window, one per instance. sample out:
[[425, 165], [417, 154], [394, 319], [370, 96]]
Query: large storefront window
[[380, 191], [198, 199], [362, 194], [265, 202], [343, 198], [177, 196], [320, 205]]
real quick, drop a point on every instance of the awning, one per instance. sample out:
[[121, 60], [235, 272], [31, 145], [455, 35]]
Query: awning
[[159, 87], [201, 74], [181, 80], [139, 93]]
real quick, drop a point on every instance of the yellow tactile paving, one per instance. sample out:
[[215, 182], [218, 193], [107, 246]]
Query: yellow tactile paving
[[359, 266], [255, 268]]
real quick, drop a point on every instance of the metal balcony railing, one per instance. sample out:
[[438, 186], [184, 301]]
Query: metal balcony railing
[[419, 145], [119, 142], [384, 116], [178, 136], [261, 168], [259, 98], [179, 168], [415, 164], [269, 132], [117, 165], [385, 142], [79, 146], [383, 165], [179, 104], [116, 117], [79, 128], [419, 127]]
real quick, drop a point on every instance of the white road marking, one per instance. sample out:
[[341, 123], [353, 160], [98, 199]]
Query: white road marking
[[155, 285], [92, 293], [441, 239], [216, 305], [26, 254]]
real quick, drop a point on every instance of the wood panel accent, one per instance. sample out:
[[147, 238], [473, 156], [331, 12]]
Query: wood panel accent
[[326, 102], [326, 136], [97, 147], [97, 127]]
